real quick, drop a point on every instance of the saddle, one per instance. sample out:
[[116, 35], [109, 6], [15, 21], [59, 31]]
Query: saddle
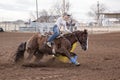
[[48, 34]]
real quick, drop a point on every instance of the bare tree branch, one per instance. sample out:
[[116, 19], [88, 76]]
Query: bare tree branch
[[44, 16], [94, 10], [32, 16], [58, 8]]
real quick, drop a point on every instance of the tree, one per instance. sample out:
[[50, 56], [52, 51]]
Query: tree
[[95, 11], [58, 8], [54, 12], [67, 7], [32, 15], [44, 16]]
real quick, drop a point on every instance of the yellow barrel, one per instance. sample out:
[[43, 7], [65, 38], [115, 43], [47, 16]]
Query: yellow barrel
[[73, 47]]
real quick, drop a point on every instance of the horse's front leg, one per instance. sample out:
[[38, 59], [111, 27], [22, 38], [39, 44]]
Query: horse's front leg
[[74, 56], [64, 51]]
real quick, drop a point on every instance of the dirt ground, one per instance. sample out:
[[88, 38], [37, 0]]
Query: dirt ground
[[100, 62]]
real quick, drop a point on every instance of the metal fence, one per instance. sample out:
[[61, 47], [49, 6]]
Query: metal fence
[[26, 29], [100, 29], [46, 27], [37, 27]]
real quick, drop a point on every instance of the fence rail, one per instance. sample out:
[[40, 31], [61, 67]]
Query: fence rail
[[100, 29]]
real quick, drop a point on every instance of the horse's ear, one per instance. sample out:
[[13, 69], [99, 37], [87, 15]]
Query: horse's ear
[[85, 31]]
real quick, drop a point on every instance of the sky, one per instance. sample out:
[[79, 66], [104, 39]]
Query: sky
[[11, 10]]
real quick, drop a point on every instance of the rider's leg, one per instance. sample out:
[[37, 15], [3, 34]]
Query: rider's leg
[[56, 33]]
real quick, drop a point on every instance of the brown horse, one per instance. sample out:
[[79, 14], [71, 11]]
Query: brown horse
[[36, 46]]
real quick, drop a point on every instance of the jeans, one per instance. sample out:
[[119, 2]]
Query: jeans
[[56, 33]]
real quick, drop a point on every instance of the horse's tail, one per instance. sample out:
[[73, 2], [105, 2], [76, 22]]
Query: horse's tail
[[19, 55]]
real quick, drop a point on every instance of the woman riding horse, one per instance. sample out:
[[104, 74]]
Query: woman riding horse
[[61, 21], [36, 45]]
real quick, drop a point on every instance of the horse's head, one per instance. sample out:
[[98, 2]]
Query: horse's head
[[82, 37]]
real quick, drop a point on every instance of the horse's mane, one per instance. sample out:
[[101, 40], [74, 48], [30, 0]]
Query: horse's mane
[[68, 35], [76, 32]]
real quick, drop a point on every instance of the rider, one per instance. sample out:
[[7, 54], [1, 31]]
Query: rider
[[61, 22]]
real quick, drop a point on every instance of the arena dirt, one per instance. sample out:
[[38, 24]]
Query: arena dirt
[[100, 62]]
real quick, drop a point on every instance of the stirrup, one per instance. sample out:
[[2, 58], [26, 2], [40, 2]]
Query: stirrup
[[49, 44]]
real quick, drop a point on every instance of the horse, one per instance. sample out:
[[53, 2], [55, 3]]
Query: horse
[[62, 46]]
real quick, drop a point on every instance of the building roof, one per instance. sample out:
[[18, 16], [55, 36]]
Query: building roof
[[111, 15]]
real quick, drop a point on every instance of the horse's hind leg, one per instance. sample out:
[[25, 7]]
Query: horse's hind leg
[[31, 53], [38, 56]]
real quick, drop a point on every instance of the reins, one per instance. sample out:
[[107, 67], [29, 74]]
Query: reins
[[77, 37]]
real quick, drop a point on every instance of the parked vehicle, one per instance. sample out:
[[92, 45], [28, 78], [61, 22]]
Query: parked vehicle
[[1, 30]]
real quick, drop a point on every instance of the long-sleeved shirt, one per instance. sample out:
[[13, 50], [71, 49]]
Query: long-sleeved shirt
[[62, 23]]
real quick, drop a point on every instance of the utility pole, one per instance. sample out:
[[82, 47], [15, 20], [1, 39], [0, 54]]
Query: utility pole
[[36, 15], [36, 9], [63, 6], [98, 12]]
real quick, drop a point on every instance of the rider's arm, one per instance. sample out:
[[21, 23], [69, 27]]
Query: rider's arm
[[58, 22], [65, 28]]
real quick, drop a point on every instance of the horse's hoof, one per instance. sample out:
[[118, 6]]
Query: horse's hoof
[[77, 64]]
